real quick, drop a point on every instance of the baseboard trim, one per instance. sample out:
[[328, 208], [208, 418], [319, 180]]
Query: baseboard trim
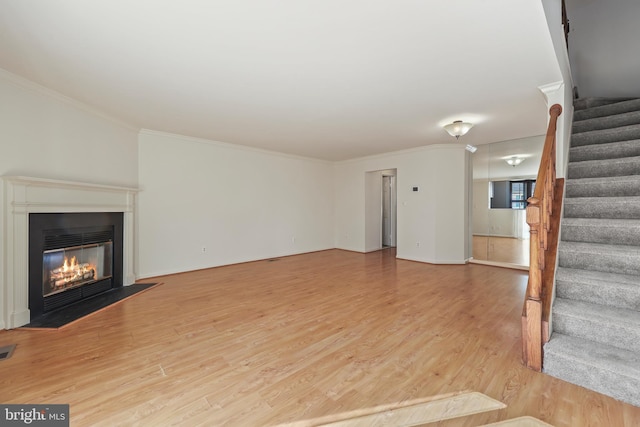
[[499, 264]]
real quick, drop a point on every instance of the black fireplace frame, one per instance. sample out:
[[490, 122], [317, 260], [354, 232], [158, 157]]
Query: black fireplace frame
[[47, 230]]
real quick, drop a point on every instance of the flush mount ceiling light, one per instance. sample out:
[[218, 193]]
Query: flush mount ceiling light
[[514, 161], [458, 128]]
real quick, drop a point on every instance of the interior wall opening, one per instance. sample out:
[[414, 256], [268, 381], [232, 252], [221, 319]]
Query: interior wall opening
[[380, 209]]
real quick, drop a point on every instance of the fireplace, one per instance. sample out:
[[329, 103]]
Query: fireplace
[[72, 257], [24, 196]]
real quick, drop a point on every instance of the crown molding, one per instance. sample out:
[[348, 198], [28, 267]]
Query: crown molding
[[453, 146], [231, 146], [57, 183], [551, 89]]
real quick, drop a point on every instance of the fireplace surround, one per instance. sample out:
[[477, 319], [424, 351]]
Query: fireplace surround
[[23, 196]]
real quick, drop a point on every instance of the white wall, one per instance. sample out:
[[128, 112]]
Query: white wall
[[450, 176], [373, 211], [560, 92], [480, 217], [431, 222], [602, 47], [45, 135], [240, 204], [49, 136]]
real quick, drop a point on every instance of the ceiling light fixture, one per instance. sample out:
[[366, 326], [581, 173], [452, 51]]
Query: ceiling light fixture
[[458, 128], [514, 161]]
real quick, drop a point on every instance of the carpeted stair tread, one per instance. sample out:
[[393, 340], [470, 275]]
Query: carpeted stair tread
[[609, 122], [619, 259], [614, 326], [594, 102], [617, 290], [612, 108], [595, 341], [602, 207], [599, 367], [603, 136], [611, 150], [600, 168], [599, 230], [603, 186]]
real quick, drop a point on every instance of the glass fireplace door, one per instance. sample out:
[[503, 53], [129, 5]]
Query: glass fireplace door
[[75, 266]]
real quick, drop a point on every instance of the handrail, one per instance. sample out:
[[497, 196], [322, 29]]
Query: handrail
[[544, 229]]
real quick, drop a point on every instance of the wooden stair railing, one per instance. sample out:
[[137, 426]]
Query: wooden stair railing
[[543, 217]]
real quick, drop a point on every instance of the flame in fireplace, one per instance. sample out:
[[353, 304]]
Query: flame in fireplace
[[71, 272], [66, 267]]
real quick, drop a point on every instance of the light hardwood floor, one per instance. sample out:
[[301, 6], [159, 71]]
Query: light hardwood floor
[[270, 342]]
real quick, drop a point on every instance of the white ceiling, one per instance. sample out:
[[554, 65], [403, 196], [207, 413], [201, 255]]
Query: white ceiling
[[329, 79]]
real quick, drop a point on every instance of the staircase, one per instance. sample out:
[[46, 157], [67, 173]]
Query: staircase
[[596, 313]]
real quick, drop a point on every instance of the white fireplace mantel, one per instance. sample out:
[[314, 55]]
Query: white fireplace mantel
[[25, 195]]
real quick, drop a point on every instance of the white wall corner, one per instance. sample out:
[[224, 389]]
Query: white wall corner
[[553, 93], [556, 93]]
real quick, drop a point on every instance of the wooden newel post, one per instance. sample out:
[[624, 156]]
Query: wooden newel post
[[535, 273], [532, 327]]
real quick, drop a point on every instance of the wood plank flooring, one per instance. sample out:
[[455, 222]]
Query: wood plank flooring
[[271, 342]]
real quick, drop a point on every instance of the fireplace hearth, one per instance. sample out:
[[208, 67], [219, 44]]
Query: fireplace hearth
[[73, 257]]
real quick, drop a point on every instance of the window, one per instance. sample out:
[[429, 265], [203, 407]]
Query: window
[[518, 191], [511, 194]]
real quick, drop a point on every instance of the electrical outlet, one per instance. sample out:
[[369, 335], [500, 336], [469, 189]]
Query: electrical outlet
[[293, 239], [417, 244], [204, 249]]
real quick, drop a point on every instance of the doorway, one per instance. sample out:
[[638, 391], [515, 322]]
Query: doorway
[[388, 214], [380, 210]]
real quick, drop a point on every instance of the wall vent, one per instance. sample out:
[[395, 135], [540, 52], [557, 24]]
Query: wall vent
[[6, 351]]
